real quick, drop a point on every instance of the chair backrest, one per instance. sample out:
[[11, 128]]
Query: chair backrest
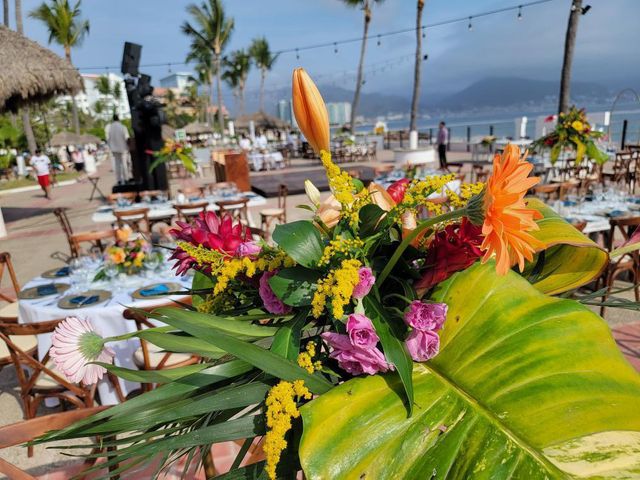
[[154, 194], [283, 192], [260, 233], [190, 210], [27, 430], [22, 358], [547, 190], [6, 265], [625, 227], [236, 208], [133, 218], [142, 323], [114, 197], [67, 229]]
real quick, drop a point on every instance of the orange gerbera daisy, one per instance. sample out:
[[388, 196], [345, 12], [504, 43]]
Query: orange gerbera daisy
[[507, 218]]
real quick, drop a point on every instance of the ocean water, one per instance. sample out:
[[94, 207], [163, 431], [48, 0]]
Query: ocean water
[[504, 124]]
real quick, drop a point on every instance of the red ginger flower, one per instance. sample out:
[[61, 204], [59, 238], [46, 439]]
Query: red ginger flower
[[453, 249], [397, 189]]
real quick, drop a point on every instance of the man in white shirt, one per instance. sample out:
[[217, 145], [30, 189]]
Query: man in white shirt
[[42, 167], [117, 136], [244, 143], [261, 141]]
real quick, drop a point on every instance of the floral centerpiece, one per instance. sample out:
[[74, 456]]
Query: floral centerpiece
[[573, 132], [390, 335], [174, 151], [127, 254]]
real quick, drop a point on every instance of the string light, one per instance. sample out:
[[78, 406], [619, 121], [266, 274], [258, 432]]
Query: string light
[[470, 27], [335, 47], [520, 12], [379, 40], [297, 55]]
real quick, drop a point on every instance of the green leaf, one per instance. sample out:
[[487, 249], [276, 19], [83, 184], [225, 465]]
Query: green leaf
[[394, 349], [521, 384], [265, 360], [286, 342], [295, 286], [153, 376], [370, 216], [200, 282], [301, 240], [571, 258], [555, 152]]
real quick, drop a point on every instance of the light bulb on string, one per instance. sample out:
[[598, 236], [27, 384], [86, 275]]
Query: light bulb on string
[[519, 12], [335, 47], [379, 42], [297, 54], [169, 68], [470, 26]]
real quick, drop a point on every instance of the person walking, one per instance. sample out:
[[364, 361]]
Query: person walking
[[443, 140], [42, 167], [117, 136]]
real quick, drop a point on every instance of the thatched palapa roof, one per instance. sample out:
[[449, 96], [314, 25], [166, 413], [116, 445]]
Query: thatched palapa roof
[[197, 128], [70, 138], [30, 73], [260, 120]]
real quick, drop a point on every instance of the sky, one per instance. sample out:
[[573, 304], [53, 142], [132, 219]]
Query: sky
[[498, 45]]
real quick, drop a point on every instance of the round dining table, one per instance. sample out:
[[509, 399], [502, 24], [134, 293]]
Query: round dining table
[[105, 315]]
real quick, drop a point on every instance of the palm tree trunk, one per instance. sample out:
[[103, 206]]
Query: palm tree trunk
[[74, 103], [263, 75], [416, 71], [5, 13], [26, 121], [569, 46], [363, 48], [212, 102], [241, 109], [219, 92]]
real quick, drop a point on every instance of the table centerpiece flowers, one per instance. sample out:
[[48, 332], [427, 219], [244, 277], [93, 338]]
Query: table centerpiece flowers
[[174, 151], [128, 254], [390, 335], [572, 132]]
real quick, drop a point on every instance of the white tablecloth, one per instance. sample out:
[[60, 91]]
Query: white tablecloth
[[595, 213], [166, 210], [106, 318], [270, 160]]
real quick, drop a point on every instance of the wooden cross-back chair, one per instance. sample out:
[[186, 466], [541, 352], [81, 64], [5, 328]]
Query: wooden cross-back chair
[[149, 357], [547, 191], [279, 213], [8, 311], [129, 196], [187, 211], [137, 219], [626, 264], [43, 380], [96, 239], [237, 208], [25, 431]]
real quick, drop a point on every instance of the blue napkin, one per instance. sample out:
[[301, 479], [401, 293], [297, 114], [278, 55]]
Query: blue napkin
[[157, 290], [48, 289], [63, 272], [82, 300], [615, 213]]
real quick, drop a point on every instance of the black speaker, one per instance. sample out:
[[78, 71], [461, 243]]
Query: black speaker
[[131, 58]]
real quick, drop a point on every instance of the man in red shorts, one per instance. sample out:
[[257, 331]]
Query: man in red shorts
[[42, 165]]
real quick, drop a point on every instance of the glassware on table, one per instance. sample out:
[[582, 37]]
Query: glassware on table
[[152, 262], [112, 272], [77, 274]]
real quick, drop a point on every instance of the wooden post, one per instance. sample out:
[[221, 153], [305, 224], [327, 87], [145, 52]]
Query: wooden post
[[468, 138], [623, 140]]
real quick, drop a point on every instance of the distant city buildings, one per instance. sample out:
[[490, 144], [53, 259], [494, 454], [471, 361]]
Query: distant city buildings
[[285, 112], [179, 81], [92, 102], [339, 113]]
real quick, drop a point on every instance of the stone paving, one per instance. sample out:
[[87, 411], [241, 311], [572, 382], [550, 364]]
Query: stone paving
[[34, 237]]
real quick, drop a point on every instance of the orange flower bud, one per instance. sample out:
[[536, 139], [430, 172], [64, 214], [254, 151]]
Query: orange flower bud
[[310, 111]]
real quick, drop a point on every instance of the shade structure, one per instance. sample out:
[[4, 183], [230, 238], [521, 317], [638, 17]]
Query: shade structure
[[70, 138], [260, 120], [30, 73], [168, 132], [197, 128]]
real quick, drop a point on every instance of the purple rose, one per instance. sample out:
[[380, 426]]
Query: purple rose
[[422, 345], [355, 360], [361, 331], [363, 287], [426, 316], [271, 302]]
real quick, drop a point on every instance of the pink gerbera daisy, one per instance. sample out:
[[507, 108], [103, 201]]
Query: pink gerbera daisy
[[75, 343]]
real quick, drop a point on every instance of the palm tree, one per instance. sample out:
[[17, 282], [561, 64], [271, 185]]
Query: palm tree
[[201, 55], [232, 78], [103, 85], [237, 68], [365, 5], [66, 29], [569, 46], [26, 121], [264, 59], [210, 31], [416, 70]]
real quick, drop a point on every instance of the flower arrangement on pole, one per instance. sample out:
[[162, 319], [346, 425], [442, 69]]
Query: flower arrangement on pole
[[388, 336], [174, 151], [572, 132]]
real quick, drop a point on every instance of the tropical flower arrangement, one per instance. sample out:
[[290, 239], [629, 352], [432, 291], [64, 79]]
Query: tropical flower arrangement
[[174, 151], [127, 254], [572, 132], [391, 335]]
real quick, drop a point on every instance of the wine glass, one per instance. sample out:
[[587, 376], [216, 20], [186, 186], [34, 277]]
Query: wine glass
[[152, 262], [77, 274]]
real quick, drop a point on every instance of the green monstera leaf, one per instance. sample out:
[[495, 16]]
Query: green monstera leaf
[[571, 259], [525, 386]]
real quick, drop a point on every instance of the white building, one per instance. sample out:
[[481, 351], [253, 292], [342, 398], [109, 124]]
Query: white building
[[285, 112], [179, 80], [107, 104], [339, 113]]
